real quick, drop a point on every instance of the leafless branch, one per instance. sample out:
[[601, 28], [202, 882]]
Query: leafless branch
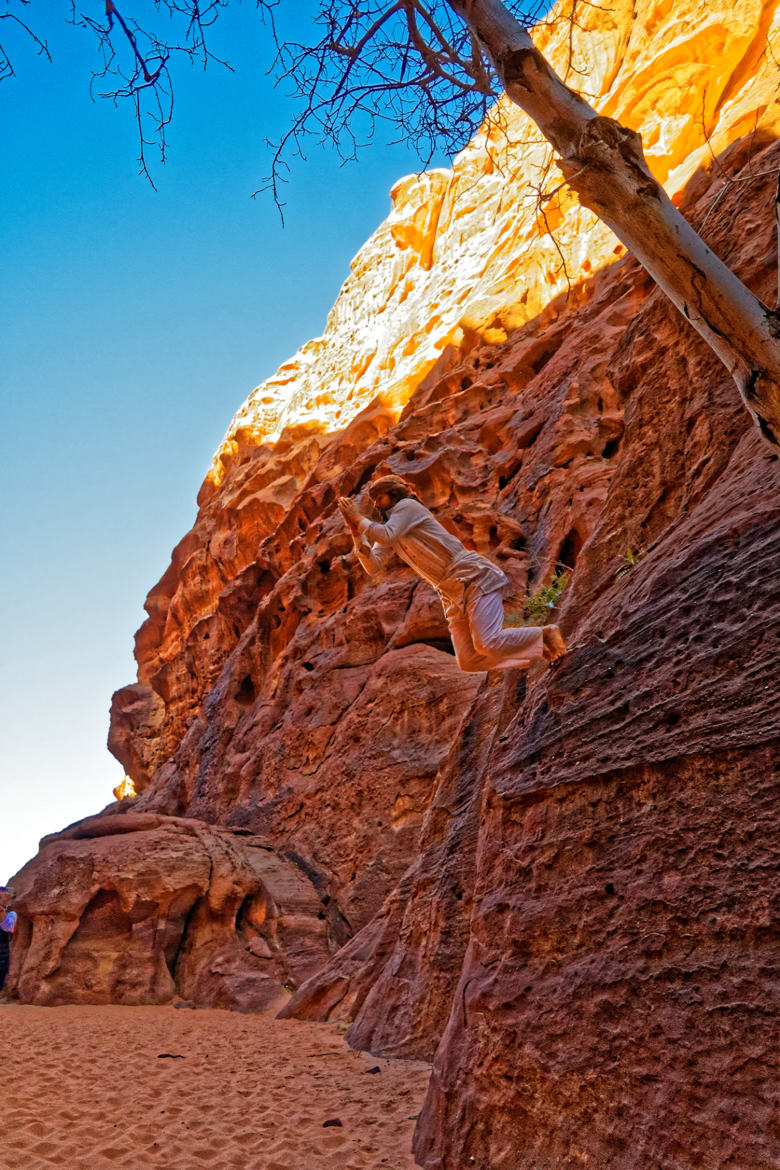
[[411, 70], [136, 61], [404, 66], [728, 180], [6, 64]]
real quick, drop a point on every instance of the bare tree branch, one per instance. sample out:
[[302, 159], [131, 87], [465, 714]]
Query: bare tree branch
[[430, 70], [6, 64]]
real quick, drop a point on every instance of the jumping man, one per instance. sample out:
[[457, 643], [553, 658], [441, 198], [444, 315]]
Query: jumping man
[[470, 586]]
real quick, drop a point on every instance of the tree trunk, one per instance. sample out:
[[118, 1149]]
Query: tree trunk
[[604, 163]]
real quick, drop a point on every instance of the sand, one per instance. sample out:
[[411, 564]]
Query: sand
[[85, 1088]]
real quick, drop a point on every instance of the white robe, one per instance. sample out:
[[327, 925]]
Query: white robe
[[470, 586]]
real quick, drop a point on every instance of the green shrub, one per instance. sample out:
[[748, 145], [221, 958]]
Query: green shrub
[[536, 608], [630, 559]]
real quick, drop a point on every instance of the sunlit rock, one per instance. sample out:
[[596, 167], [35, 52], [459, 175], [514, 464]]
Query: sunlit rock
[[125, 789]]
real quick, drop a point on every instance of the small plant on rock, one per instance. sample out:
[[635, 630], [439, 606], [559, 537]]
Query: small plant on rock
[[537, 607], [631, 558]]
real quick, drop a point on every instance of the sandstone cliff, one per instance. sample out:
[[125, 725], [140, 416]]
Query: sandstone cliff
[[561, 887]]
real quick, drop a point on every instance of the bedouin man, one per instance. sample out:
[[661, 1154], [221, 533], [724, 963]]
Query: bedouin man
[[470, 586], [7, 928]]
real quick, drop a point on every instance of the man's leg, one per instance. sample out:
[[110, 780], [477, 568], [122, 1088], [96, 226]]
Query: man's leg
[[5, 955], [517, 647], [468, 658]]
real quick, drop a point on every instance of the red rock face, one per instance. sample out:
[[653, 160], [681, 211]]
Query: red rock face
[[140, 908], [618, 1004], [619, 969], [594, 904], [395, 979]]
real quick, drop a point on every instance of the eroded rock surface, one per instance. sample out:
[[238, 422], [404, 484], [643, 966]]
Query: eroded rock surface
[[395, 979], [141, 908]]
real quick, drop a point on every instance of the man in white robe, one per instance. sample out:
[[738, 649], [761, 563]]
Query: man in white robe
[[470, 586]]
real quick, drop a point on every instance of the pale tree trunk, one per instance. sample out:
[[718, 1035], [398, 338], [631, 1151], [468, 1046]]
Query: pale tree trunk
[[604, 163]]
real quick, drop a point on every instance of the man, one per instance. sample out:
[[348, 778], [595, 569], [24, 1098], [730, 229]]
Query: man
[[470, 586], [7, 927]]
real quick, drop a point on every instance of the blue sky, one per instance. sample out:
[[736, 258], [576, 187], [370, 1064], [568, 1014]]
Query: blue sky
[[134, 323]]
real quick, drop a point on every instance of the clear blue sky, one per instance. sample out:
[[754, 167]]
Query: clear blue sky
[[134, 323]]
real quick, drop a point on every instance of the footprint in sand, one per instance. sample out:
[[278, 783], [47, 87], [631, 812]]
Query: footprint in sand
[[206, 1156], [248, 1138], [332, 1141], [114, 1153], [45, 1149], [36, 1128]]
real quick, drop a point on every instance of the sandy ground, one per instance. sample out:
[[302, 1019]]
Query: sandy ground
[[86, 1088]]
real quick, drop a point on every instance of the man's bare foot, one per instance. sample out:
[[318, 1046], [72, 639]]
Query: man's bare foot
[[554, 645]]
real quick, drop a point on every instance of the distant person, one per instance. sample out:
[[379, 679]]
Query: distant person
[[7, 928], [470, 586]]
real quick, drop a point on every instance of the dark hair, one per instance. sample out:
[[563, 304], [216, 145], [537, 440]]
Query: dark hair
[[392, 486]]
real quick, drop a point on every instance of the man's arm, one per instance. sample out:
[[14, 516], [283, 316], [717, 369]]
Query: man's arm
[[352, 515], [372, 559], [405, 515]]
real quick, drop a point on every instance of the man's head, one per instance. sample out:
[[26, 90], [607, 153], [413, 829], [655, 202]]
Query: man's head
[[387, 491]]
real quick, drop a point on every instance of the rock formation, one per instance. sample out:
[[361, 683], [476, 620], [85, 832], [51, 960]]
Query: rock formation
[[560, 887], [140, 908]]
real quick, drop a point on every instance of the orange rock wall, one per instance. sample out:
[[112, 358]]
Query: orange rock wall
[[465, 254]]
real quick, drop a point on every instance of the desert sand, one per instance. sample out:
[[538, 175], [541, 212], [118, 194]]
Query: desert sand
[[90, 1087]]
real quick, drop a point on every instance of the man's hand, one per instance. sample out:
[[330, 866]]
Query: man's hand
[[351, 513]]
